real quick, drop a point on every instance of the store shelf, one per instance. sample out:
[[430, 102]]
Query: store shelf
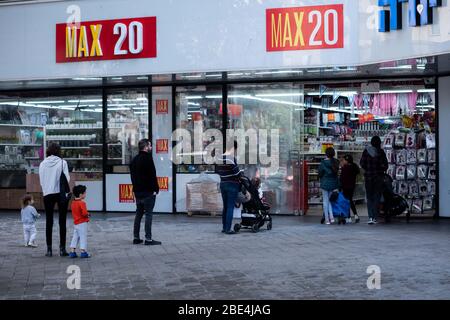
[[20, 125], [50, 138], [21, 144], [68, 148], [101, 145], [71, 129]]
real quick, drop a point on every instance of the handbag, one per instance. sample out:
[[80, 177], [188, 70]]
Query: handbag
[[64, 189]]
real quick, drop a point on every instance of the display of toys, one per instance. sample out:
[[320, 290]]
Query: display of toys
[[390, 155], [401, 157], [432, 172], [431, 187], [389, 141], [400, 139], [403, 187], [422, 172], [411, 140], [431, 156], [430, 140], [411, 172], [400, 172], [422, 156], [391, 171], [411, 156], [423, 189], [413, 189], [427, 203], [416, 206]]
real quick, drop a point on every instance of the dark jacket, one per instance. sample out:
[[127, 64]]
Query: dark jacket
[[374, 162], [143, 173], [328, 174], [349, 172], [228, 170]]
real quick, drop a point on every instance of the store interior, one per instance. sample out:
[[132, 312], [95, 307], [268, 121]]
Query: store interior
[[308, 116]]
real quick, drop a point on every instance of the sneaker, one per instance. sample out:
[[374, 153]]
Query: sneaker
[[73, 255], [328, 223], [374, 221], [26, 245], [84, 255], [137, 241], [348, 220], [356, 218], [152, 243], [332, 220], [370, 221], [32, 244], [230, 232]]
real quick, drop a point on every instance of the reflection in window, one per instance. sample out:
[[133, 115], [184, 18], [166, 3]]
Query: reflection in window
[[127, 124], [198, 105]]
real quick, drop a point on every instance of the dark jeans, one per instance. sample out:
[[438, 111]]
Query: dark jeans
[[374, 189], [145, 202], [49, 202], [348, 193], [229, 192]]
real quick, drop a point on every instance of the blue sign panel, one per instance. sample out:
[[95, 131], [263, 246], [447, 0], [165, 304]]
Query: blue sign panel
[[420, 13]]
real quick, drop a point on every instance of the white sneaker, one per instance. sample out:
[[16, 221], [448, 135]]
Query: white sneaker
[[332, 220], [370, 221], [348, 220], [374, 221], [32, 244], [26, 244], [327, 223]]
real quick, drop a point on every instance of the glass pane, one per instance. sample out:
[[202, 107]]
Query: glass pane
[[29, 122], [198, 106], [274, 112], [127, 124]]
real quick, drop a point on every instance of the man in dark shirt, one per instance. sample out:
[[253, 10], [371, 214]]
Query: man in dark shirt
[[374, 162], [145, 188], [230, 185]]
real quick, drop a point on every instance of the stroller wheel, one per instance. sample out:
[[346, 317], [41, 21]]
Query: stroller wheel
[[255, 227], [269, 226], [237, 227]]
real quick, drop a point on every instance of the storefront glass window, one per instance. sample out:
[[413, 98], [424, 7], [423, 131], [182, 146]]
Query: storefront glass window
[[127, 124], [29, 122], [198, 106], [273, 112]]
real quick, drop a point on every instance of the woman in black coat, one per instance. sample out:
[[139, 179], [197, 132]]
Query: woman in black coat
[[349, 172]]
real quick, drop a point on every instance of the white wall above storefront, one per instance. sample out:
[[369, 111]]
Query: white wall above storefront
[[205, 35]]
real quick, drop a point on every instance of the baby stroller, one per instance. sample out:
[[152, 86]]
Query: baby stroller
[[392, 204], [255, 213]]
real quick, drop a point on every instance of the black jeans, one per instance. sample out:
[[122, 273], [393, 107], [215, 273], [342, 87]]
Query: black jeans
[[374, 189], [49, 202], [145, 202], [348, 193]]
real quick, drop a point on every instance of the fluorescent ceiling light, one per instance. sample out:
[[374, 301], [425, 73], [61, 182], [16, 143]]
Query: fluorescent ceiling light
[[279, 72], [330, 93], [118, 109], [86, 79], [193, 104], [405, 67], [121, 105], [235, 74], [213, 75], [86, 100], [396, 91], [140, 108], [193, 77], [40, 102], [213, 97], [141, 99], [426, 90], [279, 95], [194, 97]]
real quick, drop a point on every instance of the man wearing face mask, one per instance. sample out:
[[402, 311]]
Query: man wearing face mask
[[145, 188]]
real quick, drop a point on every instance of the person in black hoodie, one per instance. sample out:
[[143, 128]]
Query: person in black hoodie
[[374, 162], [145, 188], [349, 172]]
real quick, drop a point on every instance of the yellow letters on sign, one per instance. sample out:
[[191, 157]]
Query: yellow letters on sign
[[71, 42], [96, 49], [299, 34], [83, 46]]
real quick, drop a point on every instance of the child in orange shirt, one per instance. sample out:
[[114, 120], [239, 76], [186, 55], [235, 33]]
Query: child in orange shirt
[[80, 219]]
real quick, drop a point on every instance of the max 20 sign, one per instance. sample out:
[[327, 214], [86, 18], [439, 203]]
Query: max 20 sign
[[305, 28], [106, 40], [126, 194]]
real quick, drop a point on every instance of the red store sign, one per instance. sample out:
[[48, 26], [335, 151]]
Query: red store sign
[[305, 28], [133, 38]]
